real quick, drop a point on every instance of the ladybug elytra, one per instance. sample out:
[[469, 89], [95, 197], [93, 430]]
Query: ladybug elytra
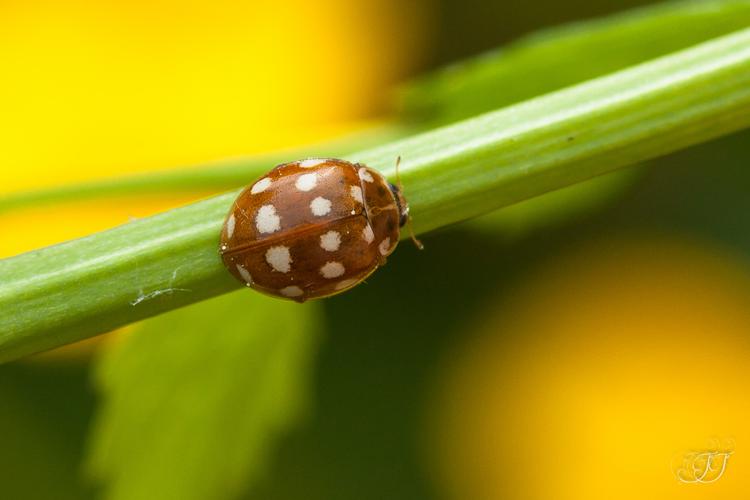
[[312, 228]]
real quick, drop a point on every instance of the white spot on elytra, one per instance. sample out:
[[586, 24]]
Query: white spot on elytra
[[345, 284], [312, 162], [279, 258], [367, 234], [332, 270], [330, 241], [267, 221], [357, 193], [365, 175], [306, 182], [230, 226], [384, 246], [260, 186], [245, 275], [291, 291], [320, 206]]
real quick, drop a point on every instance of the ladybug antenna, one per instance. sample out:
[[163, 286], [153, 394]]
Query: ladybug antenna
[[413, 237]]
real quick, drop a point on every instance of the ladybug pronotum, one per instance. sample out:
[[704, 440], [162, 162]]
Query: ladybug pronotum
[[312, 228]]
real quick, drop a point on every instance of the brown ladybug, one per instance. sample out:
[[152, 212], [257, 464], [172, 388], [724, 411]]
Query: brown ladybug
[[312, 228]]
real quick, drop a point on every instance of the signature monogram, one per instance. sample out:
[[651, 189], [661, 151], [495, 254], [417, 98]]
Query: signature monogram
[[705, 466]]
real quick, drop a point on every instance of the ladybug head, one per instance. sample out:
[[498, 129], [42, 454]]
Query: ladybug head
[[403, 206]]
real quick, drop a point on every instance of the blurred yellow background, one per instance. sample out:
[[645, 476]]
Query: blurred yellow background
[[599, 374], [99, 89]]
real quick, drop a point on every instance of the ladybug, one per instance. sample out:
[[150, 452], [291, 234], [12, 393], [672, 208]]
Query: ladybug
[[312, 228]]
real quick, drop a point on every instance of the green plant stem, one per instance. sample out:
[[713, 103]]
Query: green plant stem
[[92, 285]]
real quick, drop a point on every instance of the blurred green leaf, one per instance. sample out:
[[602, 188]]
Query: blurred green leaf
[[555, 58], [44, 412], [212, 177], [193, 400], [517, 221]]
